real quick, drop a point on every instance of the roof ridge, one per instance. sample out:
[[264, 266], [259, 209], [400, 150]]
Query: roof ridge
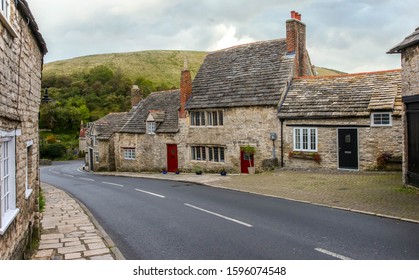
[[349, 74], [247, 44]]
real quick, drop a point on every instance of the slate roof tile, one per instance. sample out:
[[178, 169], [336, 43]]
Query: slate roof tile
[[165, 107], [108, 125], [350, 95], [253, 74]]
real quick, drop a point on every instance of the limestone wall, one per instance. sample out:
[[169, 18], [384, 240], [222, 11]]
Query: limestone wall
[[372, 141], [242, 126], [20, 94]]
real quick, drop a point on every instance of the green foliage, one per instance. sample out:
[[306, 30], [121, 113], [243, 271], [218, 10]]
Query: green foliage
[[53, 151]]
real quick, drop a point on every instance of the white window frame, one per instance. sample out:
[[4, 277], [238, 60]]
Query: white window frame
[[8, 210], [151, 127], [199, 153], [5, 9], [129, 153], [299, 145], [29, 158], [373, 115]]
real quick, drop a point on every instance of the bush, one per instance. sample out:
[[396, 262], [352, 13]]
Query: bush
[[53, 151]]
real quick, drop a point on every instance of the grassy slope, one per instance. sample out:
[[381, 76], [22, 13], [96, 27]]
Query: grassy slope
[[158, 66]]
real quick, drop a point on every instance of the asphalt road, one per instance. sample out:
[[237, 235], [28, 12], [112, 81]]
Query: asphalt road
[[156, 219]]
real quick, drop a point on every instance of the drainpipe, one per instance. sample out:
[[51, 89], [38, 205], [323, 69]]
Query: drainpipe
[[282, 142]]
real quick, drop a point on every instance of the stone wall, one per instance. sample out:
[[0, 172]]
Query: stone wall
[[242, 126], [372, 141], [410, 71], [20, 94]]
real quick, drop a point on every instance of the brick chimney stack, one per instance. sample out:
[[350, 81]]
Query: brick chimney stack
[[185, 89], [136, 95], [296, 44]]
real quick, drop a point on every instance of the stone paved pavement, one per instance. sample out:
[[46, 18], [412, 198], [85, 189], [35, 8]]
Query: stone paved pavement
[[68, 233]]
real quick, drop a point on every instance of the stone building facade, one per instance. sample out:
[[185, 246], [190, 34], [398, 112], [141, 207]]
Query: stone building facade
[[22, 49], [409, 49], [343, 122]]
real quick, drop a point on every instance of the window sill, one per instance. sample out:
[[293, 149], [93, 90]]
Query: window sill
[[28, 193], [8, 26], [8, 219]]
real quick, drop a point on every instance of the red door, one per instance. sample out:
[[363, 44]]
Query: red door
[[172, 163], [245, 163]]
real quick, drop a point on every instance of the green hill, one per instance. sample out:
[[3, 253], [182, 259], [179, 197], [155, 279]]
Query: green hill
[[160, 67]]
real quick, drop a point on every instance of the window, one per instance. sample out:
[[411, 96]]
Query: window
[[381, 119], [29, 168], [129, 153], [151, 127], [198, 153], [5, 8], [216, 154], [8, 210], [97, 156], [203, 153], [207, 118], [305, 139]]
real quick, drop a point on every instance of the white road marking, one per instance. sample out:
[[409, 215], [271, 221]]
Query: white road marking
[[113, 184], [87, 179], [332, 254], [68, 175], [219, 215], [158, 195]]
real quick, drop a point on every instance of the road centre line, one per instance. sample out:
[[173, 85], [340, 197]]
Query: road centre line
[[68, 175], [150, 193], [332, 254], [219, 215], [87, 179], [113, 184]]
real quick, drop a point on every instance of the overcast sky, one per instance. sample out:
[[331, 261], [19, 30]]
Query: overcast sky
[[351, 36]]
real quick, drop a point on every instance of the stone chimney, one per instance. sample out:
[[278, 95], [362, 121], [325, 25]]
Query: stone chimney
[[185, 88], [296, 44], [136, 95]]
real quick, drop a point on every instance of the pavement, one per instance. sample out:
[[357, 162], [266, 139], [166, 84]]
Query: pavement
[[69, 231]]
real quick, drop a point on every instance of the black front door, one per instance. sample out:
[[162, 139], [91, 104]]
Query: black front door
[[412, 115], [348, 148]]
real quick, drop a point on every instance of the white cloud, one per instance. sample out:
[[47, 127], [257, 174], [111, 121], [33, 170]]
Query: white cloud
[[226, 36]]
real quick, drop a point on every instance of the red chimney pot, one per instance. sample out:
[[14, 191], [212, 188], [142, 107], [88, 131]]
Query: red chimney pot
[[292, 14]]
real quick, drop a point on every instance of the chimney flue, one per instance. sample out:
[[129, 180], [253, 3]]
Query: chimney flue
[[292, 14]]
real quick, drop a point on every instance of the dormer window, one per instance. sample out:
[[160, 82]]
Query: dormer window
[[381, 119], [151, 127]]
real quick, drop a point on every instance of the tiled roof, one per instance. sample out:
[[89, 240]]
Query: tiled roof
[[108, 125], [412, 39], [166, 102], [352, 95], [254, 74]]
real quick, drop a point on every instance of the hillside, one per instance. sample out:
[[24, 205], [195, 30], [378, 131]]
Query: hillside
[[160, 67]]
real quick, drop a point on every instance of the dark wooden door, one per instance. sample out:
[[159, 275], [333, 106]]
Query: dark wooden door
[[246, 161], [172, 159], [91, 160], [412, 115], [348, 148]]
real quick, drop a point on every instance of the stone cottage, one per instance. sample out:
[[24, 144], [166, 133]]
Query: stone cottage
[[99, 151], [22, 49], [149, 138], [235, 98], [342, 122], [409, 49]]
